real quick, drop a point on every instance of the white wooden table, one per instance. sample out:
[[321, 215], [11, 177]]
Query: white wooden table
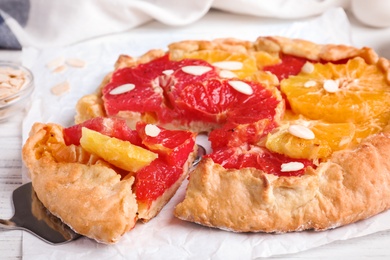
[[375, 246]]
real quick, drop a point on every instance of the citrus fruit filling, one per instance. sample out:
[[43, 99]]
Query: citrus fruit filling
[[157, 159], [289, 107], [120, 153], [350, 99], [260, 158]]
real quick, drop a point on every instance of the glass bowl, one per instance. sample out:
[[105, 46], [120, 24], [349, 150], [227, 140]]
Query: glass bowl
[[16, 86]]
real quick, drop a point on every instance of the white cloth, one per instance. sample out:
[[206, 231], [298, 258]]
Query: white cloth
[[59, 23]]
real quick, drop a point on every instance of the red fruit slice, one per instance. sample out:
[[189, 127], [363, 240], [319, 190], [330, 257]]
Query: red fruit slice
[[154, 180], [256, 157], [290, 65], [173, 146], [113, 127], [146, 96], [208, 101], [249, 118], [183, 90]]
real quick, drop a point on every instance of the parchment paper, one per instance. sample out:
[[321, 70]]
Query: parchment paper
[[166, 237]]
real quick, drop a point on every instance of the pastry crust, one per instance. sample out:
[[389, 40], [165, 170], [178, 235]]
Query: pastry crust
[[78, 188], [84, 191], [351, 186]]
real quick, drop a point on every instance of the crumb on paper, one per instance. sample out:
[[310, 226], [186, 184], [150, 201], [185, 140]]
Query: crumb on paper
[[11, 81], [60, 88]]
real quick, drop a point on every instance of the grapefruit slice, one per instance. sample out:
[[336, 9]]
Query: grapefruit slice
[[112, 127], [260, 158], [173, 146], [289, 65], [136, 89], [156, 183]]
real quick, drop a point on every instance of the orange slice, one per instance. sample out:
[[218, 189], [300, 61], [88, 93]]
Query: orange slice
[[362, 92], [354, 92], [328, 137]]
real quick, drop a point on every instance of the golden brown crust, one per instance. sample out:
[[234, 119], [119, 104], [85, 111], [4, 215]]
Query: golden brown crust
[[84, 192], [351, 186], [314, 51], [248, 200]]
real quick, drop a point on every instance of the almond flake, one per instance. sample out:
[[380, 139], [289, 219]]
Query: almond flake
[[227, 74], [308, 68], [331, 86], [60, 88], [301, 132], [76, 63], [122, 89], [196, 70], [310, 83], [241, 87], [168, 72], [292, 167], [11, 72], [4, 78], [53, 64], [228, 65], [152, 130], [60, 69]]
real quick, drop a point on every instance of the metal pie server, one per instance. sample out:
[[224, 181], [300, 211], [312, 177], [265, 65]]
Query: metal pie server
[[30, 215]]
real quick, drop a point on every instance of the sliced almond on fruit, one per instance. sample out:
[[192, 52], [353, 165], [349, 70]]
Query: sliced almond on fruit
[[301, 132], [122, 89], [331, 86], [310, 83], [292, 167], [196, 70], [227, 74], [168, 72], [152, 130], [241, 87], [307, 68], [228, 65]]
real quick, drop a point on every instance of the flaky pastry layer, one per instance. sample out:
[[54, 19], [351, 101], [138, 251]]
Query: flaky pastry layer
[[82, 191], [353, 185]]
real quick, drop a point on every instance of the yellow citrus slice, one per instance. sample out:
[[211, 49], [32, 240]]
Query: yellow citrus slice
[[352, 92], [264, 59], [328, 138], [120, 153]]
